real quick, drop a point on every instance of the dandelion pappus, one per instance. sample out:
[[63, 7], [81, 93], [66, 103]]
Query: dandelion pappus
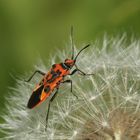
[[53, 79]]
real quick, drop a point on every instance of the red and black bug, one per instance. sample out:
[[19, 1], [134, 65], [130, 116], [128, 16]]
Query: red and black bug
[[53, 79]]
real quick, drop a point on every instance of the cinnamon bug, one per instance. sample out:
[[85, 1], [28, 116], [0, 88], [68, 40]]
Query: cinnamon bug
[[53, 78]]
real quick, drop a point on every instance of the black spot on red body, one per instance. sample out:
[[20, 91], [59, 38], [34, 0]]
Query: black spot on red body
[[35, 97], [47, 89], [55, 75], [58, 72], [53, 72]]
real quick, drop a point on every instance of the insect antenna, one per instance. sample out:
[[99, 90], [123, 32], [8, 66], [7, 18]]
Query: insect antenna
[[81, 51], [72, 42]]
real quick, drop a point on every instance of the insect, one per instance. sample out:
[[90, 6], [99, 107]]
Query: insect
[[52, 80]]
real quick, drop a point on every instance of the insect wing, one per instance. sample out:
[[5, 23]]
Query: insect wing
[[35, 98]]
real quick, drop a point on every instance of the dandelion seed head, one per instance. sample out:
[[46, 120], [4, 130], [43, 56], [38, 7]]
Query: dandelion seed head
[[93, 98], [74, 134], [67, 113], [108, 104], [127, 98], [105, 124]]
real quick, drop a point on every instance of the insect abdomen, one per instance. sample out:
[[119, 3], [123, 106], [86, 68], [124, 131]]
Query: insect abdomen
[[35, 97]]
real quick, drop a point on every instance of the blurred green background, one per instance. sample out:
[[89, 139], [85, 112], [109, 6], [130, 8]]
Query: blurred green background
[[33, 28]]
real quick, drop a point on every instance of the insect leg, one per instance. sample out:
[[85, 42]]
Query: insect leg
[[73, 72], [37, 71], [47, 116], [70, 81], [83, 73]]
